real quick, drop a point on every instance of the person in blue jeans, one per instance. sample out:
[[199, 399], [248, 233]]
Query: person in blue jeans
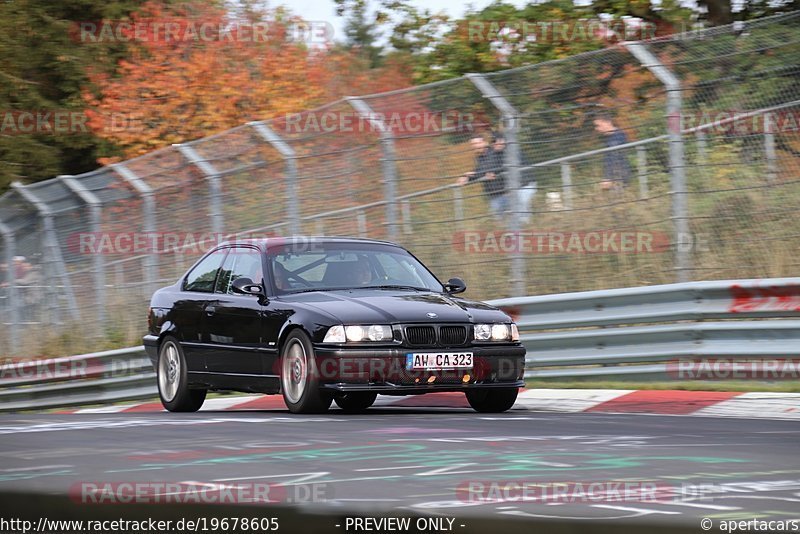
[[616, 169]]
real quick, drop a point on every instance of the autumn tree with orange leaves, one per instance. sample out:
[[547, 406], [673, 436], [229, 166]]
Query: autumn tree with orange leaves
[[195, 70]]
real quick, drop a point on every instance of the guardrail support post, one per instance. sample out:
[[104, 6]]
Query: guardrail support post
[[388, 163], [214, 186], [51, 247], [10, 250], [98, 266], [148, 221], [512, 165], [677, 166], [289, 155]]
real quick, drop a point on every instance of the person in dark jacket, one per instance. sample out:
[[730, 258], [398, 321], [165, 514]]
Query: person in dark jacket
[[616, 169], [489, 166]]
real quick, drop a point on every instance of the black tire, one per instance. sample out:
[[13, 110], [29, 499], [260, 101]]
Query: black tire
[[358, 401], [172, 378], [492, 400], [299, 376]]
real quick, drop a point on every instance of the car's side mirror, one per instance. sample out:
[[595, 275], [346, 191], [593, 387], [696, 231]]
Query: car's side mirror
[[455, 285], [245, 286]]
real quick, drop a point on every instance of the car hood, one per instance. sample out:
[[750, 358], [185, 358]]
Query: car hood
[[371, 306]]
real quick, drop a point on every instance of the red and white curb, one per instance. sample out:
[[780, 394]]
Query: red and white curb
[[665, 402]]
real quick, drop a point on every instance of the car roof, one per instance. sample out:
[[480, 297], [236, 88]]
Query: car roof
[[265, 243]]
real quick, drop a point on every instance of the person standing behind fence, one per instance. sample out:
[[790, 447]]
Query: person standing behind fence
[[489, 166], [616, 169]]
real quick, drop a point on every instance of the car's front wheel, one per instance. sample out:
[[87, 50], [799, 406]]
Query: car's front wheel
[[173, 383], [299, 376], [355, 402], [492, 400]]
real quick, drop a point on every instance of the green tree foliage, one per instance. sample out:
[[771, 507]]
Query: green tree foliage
[[43, 67]]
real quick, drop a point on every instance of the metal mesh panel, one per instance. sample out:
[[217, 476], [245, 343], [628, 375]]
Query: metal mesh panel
[[253, 178], [742, 175], [338, 159]]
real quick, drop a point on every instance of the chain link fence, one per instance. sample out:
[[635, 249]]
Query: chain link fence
[[666, 160]]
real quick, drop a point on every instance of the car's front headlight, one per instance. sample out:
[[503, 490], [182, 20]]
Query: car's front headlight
[[373, 332], [495, 332]]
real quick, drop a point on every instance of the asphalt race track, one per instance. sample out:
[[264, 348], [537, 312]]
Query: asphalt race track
[[418, 460]]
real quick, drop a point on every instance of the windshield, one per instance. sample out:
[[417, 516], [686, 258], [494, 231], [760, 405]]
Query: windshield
[[327, 266]]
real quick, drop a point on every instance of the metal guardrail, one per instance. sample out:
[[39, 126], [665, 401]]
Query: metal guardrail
[[633, 331], [625, 333], [96, 378]]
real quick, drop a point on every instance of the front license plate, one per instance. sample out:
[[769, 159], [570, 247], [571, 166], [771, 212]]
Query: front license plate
[[432, 361]]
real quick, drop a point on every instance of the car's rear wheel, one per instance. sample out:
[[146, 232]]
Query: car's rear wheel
[[299, 376], [173, 383], [355, 402], [492, 400]]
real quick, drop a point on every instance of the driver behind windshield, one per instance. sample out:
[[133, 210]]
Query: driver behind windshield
[[281, 277], [361, 274]]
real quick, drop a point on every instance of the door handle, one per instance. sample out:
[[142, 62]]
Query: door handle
[[210, 310]]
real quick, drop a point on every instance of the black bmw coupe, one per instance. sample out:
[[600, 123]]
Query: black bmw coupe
[[324, 319]]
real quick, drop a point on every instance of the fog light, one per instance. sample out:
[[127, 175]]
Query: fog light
[[465, 379]]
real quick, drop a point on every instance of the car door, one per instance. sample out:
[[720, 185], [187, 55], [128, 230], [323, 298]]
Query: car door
[[232, 321], [188, 311]]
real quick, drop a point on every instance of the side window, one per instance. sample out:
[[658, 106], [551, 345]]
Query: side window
[[202, 277], [241, 262]]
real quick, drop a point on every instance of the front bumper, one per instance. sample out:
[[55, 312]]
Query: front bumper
[[383, 370]]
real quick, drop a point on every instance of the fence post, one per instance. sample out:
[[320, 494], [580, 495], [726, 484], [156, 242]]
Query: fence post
[[512, 165], [214, 186], [10, 247], [388, 163], [361, 221], [702, 157], [148, 221], [98, 267], [53, 251], [408, 227], [566, 185], [641, 167], [677, 167], [458, 207], [289, 155], [769, 149]]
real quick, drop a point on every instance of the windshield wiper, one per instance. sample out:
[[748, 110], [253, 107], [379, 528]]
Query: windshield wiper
[[392, 286]]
